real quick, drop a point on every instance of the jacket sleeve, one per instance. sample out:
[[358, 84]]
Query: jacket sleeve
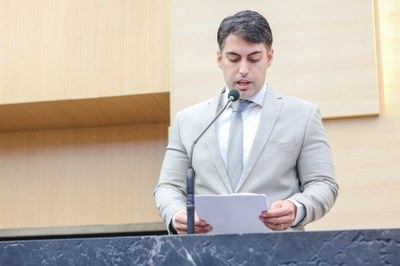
[[318, 185], [170, 192]]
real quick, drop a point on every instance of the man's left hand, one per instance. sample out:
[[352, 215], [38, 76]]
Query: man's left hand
[[281, 215]]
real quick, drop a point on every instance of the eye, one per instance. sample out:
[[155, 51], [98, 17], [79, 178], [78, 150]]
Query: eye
[[254, 59], [232, 57]]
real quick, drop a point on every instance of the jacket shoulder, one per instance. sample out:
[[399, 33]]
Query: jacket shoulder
[[296, 104]]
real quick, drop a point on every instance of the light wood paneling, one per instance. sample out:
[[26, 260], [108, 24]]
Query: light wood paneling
[[119, 110], [366, 156], [80, 176], [61, 50], [324, 52], [366, 150]]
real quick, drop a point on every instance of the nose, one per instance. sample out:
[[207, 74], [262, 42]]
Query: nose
[[243, 69]]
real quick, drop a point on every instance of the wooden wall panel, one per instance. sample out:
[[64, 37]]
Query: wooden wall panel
[[366, 150], [72, 49], [80, 176], [324, 52]]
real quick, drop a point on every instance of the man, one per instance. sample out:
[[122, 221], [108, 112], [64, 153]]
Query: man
[[284, 155]]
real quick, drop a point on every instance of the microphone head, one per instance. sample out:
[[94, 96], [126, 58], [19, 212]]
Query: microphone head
[[233, 95]]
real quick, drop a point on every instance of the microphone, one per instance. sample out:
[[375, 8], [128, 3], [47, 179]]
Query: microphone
[[233, 95]]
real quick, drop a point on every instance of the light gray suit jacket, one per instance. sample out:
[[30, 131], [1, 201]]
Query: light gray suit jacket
[[289, 158]]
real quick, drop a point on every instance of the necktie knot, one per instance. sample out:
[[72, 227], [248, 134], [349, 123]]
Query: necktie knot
[[240, 105]]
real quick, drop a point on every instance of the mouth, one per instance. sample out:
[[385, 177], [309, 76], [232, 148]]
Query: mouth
[[243, 84]]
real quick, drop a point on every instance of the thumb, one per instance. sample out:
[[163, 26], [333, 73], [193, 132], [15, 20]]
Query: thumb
[[276, 205]]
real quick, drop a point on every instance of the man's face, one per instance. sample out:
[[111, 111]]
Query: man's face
[[244, 65]]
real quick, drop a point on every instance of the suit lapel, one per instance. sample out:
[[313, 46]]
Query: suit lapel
[[211, 140], [268, 118]]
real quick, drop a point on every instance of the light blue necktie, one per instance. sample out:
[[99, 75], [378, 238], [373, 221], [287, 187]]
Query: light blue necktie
[[235, 144]]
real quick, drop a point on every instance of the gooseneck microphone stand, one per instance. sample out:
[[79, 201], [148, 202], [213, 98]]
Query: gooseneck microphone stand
[[190, 205]]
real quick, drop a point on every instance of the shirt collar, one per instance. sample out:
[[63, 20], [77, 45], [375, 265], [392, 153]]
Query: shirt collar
[[258, 98]]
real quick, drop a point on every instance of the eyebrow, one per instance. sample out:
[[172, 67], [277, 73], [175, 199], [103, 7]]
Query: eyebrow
[[236, 54]]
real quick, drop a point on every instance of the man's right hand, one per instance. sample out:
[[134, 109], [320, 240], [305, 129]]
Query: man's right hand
[[180, 223]]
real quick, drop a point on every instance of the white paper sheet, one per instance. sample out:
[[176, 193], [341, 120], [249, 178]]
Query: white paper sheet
[[232, 213]]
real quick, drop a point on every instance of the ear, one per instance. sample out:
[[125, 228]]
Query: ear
[[219, 59], [270, 56]]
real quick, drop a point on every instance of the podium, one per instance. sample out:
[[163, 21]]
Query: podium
[[353, 247]]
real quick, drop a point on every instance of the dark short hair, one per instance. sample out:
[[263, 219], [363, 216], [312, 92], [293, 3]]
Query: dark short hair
[[247, 24]]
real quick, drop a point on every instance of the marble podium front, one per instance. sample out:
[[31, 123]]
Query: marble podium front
[[353, 247]]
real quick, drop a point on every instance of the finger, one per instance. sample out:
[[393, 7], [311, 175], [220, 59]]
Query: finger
[[181, 232], [280, 209], [275, 222], [277, 204], [200, 229], [275, 213], [203, 229], [277, 227], [280, 227], [198, 221], [201, 226], [287, 219], [181, 228]]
